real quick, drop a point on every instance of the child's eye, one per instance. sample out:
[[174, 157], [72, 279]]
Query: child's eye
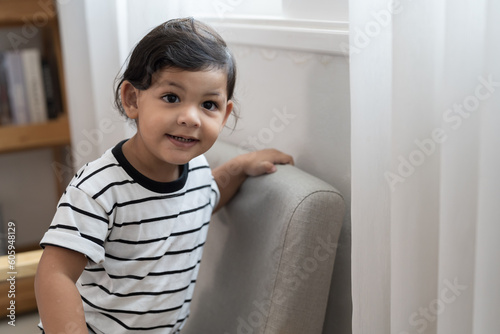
[[209, 105], [171, 98]]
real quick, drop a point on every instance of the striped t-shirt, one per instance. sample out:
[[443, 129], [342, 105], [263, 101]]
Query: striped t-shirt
[[143, 239]]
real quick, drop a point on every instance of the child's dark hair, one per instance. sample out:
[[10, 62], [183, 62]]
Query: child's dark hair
[[184, 43]]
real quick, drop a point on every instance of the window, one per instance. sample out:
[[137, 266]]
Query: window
[[324, 10]]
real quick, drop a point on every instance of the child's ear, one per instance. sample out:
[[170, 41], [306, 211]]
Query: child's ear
[[229, 110], [129, 96]]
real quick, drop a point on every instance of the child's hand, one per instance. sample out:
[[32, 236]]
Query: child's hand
[[263, 161], [230, 175]]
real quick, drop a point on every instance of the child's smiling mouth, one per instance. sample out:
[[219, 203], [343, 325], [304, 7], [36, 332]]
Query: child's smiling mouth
[[182, 140]]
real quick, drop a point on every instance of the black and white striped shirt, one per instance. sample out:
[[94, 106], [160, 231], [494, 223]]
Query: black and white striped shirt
[[143, 239]]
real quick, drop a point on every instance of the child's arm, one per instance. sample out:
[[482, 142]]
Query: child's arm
[[59, 303], [231, 174]]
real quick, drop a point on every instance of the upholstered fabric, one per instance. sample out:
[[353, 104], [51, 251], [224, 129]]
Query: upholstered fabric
[[269, 255]]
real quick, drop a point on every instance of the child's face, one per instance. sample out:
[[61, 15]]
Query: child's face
[[180, 115]]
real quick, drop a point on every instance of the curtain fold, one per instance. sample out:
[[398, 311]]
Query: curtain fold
[[487, 256], [425, 101]]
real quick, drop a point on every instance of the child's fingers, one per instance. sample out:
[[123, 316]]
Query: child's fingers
[[269, 167], [264, 161], [283, 159], [260, 168], [264, 167]]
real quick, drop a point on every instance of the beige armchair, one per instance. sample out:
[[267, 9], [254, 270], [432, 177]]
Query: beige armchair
[[269, 256]]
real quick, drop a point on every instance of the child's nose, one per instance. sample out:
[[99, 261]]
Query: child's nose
[[189, 116]]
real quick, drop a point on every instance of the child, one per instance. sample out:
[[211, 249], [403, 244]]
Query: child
[[123, 251]]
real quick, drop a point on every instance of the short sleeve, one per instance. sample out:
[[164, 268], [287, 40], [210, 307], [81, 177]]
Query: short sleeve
[[214, 200], [80, 224]]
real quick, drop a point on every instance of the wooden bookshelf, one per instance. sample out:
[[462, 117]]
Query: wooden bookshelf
[[30, 15], [15, 12], [41, 16], [33, 136]]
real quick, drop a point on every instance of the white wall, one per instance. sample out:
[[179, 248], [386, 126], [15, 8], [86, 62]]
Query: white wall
[[91, 59], [292, 89]]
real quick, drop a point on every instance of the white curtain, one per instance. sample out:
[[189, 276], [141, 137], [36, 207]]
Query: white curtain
[[425, 98]]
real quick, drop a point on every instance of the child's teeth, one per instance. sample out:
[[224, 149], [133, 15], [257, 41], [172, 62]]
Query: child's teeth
[[182, 139]]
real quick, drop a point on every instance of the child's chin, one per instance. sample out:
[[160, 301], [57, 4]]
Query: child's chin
[[181, 160], [177, 157]]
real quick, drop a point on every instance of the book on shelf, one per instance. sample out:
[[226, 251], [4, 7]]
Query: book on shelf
[[33, 81], [52, 89], [18, 99], [28, 89]]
